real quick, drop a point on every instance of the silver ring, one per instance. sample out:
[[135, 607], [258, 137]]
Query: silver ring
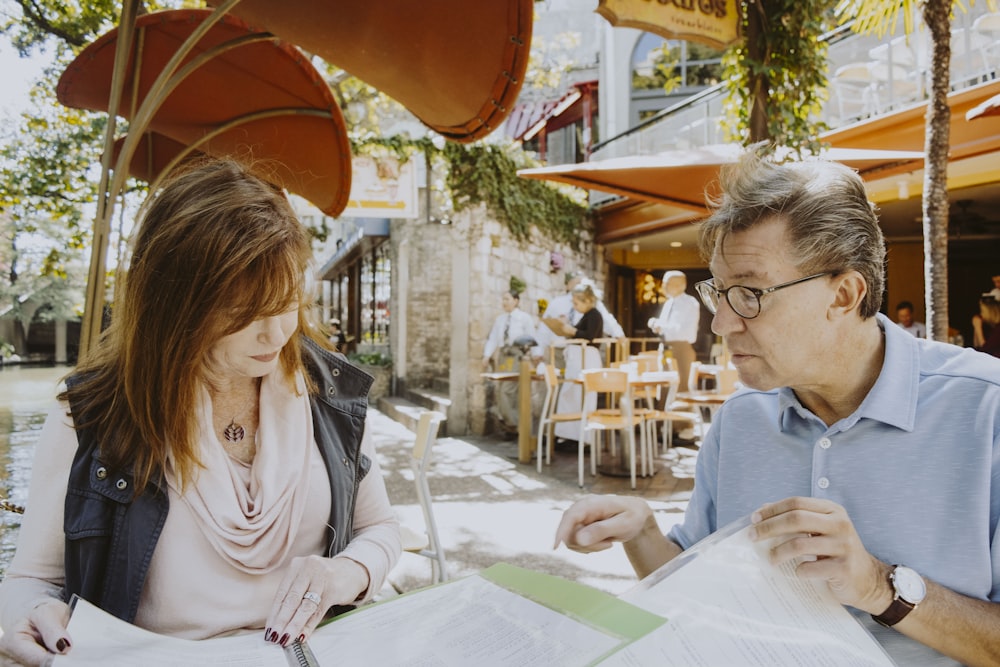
[[312, 597]]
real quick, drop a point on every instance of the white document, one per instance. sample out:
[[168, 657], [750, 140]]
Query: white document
[[100, 639], [726, 604], [471, 621]]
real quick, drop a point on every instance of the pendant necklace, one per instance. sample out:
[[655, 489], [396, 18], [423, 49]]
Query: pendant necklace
[[235, 432]]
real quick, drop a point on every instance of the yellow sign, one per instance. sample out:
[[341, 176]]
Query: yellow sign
[[712, 22], [382, 188]]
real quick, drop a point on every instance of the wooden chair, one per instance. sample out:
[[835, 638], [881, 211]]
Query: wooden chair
[[426, 543], [549, 417], [666, 416], [615, 383]]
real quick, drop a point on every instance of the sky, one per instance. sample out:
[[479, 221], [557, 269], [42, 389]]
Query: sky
[[16, 76]]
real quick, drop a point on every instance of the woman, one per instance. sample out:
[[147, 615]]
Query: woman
[[986, 326], [588, 326], [210, 453]]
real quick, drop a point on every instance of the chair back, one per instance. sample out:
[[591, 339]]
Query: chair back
[[420, 458], [605, 380]]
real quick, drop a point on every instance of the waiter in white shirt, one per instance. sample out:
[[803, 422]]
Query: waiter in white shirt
[[677, 324]]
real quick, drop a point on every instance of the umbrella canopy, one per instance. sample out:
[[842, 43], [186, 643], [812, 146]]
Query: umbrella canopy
[[687, 178], [458, 66], [254, 97], [990, 107]]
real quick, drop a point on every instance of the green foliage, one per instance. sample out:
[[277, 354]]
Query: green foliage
[[517, 285], [487, 174], [371, 359], [790, 72]]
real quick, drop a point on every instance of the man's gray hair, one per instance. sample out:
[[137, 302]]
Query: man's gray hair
[[831, 225]]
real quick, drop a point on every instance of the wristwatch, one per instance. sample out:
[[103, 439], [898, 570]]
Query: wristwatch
[[910, 590]]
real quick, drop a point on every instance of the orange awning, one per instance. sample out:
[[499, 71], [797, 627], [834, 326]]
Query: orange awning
[[259, 100], [458, 66], [684, 178]]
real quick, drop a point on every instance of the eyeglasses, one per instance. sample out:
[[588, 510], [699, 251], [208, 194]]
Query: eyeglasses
[[745, 301]]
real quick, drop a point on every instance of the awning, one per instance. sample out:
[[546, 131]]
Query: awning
[[528, 118], [458, 66], [990, 107], [684, 178], [370, 233], [252, 96]]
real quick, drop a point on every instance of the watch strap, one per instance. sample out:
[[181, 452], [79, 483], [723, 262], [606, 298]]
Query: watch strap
[[896, 612]]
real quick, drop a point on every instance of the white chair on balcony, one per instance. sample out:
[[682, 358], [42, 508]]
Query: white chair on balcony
[[893, 86], [852, 86], [988, 26]]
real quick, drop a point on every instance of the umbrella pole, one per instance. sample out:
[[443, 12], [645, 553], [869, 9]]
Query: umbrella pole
[[94, 305]]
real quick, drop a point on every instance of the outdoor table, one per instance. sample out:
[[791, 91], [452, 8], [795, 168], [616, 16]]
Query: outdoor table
[[524, 376]]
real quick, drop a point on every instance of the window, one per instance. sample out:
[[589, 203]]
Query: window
[[376, 273]]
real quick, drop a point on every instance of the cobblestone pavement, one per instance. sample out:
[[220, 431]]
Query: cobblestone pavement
[[490, 508]]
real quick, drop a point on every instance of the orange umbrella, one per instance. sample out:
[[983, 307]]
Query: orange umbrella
[[457, 65], [255, 97], [684, 178]]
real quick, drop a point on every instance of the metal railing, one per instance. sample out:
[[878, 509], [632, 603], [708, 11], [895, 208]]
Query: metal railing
[[868, 77]]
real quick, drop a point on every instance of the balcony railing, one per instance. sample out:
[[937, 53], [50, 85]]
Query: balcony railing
[[868, 76]]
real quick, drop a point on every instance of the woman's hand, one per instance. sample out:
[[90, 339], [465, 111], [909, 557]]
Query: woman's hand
[[38, 636], [312, 585]]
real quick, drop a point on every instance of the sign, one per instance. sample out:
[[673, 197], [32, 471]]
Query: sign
[[712, 22], [381, 187]]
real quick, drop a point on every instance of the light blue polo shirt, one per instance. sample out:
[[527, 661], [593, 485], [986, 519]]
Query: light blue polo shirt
[[917, 467]]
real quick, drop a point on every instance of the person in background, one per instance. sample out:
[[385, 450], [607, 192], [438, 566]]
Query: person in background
[[677, 324], [562, 306], [995, 292], [337, 338], [986, 332], [867, 457], [904, 318], [207, 470], [588, 326], [512, 324]]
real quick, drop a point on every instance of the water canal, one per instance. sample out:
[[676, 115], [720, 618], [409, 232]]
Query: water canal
[[26, 394]]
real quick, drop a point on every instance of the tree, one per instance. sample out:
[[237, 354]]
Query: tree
[[879, 16], [776, 76]]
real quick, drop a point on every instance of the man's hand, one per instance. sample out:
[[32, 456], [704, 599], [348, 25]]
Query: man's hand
[[820, 534], [595, 523]]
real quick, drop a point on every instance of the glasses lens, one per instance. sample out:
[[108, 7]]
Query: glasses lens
[[709, 296], [744, 302]]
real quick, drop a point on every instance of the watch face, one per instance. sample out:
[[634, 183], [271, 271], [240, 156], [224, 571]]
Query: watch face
[[909, 584]]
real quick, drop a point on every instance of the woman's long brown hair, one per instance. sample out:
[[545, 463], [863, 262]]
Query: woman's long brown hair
[[216, 249]]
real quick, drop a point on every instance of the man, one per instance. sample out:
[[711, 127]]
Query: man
[[853, 445], [677, 324], [510, 325], [904, 318]]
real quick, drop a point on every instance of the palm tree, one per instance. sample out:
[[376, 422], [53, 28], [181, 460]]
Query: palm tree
[[878, 16]]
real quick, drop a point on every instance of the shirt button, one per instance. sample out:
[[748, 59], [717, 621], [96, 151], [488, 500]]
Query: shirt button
[[825, 443], [822, 482]]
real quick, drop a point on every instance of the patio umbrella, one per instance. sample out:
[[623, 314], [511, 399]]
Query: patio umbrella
[[253, 97], [685, 178], [456, 65], [991, 107]]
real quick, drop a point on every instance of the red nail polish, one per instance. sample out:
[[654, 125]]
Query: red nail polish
[[284, 639], [267, 635], [62, 644], [301, 639]]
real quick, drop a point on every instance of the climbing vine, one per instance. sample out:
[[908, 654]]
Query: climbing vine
[[776, 78], [483, 173]]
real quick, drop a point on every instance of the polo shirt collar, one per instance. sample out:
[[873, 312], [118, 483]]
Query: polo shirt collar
[[893, 398]]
